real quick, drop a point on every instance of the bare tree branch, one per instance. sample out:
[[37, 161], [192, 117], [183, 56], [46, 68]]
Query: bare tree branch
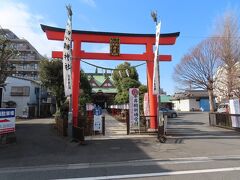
[[7, 51], [228, 75], [199, 66]]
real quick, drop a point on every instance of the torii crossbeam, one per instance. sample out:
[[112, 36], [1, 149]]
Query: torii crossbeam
[[78, 37]]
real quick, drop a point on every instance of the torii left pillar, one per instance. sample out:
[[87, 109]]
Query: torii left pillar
[[148, 40], [75, 81]]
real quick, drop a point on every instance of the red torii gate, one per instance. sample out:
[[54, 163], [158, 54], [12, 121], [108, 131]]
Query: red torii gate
[[78, 37]]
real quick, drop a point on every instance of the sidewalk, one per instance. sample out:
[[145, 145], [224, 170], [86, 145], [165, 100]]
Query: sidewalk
[[114, 127]]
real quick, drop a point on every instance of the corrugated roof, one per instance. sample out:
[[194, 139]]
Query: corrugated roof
[[166, 99], [191, 94]]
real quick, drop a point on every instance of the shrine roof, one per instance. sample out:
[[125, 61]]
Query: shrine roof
[[99, 78]]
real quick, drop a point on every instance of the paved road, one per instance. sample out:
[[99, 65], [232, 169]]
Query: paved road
[[193, 151]]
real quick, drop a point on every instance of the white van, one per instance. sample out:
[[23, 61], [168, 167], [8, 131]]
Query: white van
[[223, 108]]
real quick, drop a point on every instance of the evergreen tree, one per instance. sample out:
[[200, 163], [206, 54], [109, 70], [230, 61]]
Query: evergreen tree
[[124, 78]]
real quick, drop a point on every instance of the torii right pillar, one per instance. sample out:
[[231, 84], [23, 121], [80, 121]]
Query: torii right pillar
[[151, 97], [150, 66]]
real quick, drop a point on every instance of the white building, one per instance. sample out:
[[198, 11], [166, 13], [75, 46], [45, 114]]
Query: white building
[[24, 94], [191, 100]]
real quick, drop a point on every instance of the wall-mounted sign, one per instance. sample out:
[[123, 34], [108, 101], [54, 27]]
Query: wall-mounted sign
[[115, 46], [7, 120], [134, 118]]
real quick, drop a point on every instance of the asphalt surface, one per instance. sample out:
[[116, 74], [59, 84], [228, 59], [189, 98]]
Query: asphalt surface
[[193, 151]]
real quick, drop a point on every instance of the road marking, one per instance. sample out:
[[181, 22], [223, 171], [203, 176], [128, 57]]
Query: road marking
[[194, 136], [131, 163], [158, 174], [95, 165]]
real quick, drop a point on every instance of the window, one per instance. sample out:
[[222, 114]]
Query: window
[[20, 91], [25, 66], [35, 76]]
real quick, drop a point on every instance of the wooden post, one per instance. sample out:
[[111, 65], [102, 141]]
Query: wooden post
[[103, 125], [127, 122]]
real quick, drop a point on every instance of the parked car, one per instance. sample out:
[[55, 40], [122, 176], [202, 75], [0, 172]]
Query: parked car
[[170, 113], [223, 108]]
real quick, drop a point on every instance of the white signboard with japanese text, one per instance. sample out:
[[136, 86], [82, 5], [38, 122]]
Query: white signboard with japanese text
[[97, 124], [7, 120], [97, 120], [134, 118]]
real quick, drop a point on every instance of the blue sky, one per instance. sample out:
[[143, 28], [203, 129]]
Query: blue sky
[[193, 19]]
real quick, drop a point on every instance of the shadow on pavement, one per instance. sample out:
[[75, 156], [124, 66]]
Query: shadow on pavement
[[191, 126], [39, 145]]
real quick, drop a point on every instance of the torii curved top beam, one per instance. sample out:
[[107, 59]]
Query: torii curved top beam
[[54, 33]]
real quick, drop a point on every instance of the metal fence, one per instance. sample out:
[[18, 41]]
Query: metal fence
[[225, 120], [145, 123]]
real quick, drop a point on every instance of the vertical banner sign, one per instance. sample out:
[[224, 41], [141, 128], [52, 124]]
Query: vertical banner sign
[[235, 109], [7, 120], [146, 110], [134, 118], [156, 68], [67, 55]]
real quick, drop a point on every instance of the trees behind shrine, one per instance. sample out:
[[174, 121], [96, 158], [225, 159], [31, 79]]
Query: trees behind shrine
[[51, 76], [126, 76]]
